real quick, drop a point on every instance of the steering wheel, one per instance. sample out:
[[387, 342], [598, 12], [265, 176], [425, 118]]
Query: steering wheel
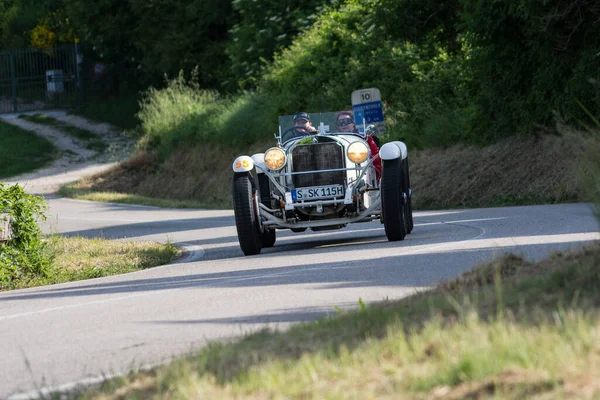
[[298, 131]]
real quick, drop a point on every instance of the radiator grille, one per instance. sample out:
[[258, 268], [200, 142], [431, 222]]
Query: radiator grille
[[315, 157]]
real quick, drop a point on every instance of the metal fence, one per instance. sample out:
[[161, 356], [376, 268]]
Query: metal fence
[[39, 79]]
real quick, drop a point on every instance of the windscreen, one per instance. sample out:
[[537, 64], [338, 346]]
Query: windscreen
[[299, 125]]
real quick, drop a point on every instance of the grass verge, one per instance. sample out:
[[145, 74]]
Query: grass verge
[[92, 141], [22, 151], [80, 258], [508, 329], [73, 192]]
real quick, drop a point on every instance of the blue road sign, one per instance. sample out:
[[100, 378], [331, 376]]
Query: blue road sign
[[371, 113]]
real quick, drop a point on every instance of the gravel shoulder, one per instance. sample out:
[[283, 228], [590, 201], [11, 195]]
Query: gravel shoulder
[[77, 161]]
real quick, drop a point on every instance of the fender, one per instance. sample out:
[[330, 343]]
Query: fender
[[243, 164], [259, 161], [393, 150]]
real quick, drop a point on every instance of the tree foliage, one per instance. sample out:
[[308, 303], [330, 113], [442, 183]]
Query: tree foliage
[[531, 58], [449, 70], [263, 28], [158, 37]]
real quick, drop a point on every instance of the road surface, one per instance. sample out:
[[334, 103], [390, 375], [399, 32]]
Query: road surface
[[65, 334]]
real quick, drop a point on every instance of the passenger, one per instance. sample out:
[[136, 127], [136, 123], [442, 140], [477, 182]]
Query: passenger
[[345, 123]]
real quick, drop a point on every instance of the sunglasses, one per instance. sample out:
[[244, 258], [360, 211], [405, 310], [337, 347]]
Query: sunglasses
[[345, 121]]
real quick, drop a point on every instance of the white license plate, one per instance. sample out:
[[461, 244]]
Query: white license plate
[[318, 192]]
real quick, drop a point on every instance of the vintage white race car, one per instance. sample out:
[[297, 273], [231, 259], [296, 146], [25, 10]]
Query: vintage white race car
[[321, 180]]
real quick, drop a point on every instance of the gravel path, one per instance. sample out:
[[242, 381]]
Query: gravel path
[[77, 161]]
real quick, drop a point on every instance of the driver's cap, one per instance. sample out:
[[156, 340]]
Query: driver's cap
[[302, 115]]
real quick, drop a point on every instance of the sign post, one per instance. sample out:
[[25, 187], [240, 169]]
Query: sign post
[[368, 109]]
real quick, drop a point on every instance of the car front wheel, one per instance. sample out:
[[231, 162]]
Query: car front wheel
[[392, 201], [246, 215]]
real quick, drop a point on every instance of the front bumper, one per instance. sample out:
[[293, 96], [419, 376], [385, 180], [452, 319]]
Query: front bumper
[[370, 214]]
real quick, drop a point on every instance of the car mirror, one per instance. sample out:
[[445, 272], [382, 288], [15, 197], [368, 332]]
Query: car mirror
[[371, 130]]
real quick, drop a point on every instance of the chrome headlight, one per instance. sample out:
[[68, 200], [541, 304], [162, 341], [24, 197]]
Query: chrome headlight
[[275, 158], [358, 152]]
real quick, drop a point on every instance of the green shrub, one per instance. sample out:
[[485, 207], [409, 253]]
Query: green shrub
[[25, 255]]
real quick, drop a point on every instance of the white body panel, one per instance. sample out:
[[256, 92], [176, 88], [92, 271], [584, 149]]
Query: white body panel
[[393, 150]]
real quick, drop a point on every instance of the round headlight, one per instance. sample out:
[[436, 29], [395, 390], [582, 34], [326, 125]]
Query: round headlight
[[275, 158], [358, 152]]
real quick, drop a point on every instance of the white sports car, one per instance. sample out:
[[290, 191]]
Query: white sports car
[[319, 180]]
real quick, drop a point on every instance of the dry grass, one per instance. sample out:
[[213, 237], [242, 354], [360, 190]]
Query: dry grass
[[80, 258], [516, 171], [532, 333], [198, 178], [79, 254]]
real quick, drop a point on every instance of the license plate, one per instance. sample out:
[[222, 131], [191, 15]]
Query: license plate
[[318, 192]]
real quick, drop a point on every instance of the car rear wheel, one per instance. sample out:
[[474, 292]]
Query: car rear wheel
[[407, 191], [268, 238], [246, 214], [392, 201]]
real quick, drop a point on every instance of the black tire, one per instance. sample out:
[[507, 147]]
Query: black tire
[[392, 202], [406, 189], [246, 218], [268, 238]]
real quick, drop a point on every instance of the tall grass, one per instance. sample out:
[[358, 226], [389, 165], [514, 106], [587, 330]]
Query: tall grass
[[183, 114]]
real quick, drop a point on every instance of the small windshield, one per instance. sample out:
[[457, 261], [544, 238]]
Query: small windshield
[[303, 124]]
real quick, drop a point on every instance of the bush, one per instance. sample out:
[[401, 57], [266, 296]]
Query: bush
[[25, 255]]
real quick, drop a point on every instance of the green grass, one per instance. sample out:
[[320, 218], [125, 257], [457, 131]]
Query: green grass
[[92, 141], [22, 151], [508, 329], [80, 258], [71, 191]]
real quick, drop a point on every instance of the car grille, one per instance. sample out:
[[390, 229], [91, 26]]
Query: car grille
[[315, 157]]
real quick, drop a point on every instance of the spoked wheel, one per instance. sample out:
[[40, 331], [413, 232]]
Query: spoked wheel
[[246, 214], [392, 201]]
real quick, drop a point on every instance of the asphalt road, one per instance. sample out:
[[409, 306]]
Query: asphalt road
[[69, 333]]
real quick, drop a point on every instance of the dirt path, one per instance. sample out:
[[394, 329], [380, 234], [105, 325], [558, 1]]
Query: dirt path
[[76, 161]]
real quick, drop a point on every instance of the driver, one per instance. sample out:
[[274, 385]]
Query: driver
[[345, 123], [302, 122]]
